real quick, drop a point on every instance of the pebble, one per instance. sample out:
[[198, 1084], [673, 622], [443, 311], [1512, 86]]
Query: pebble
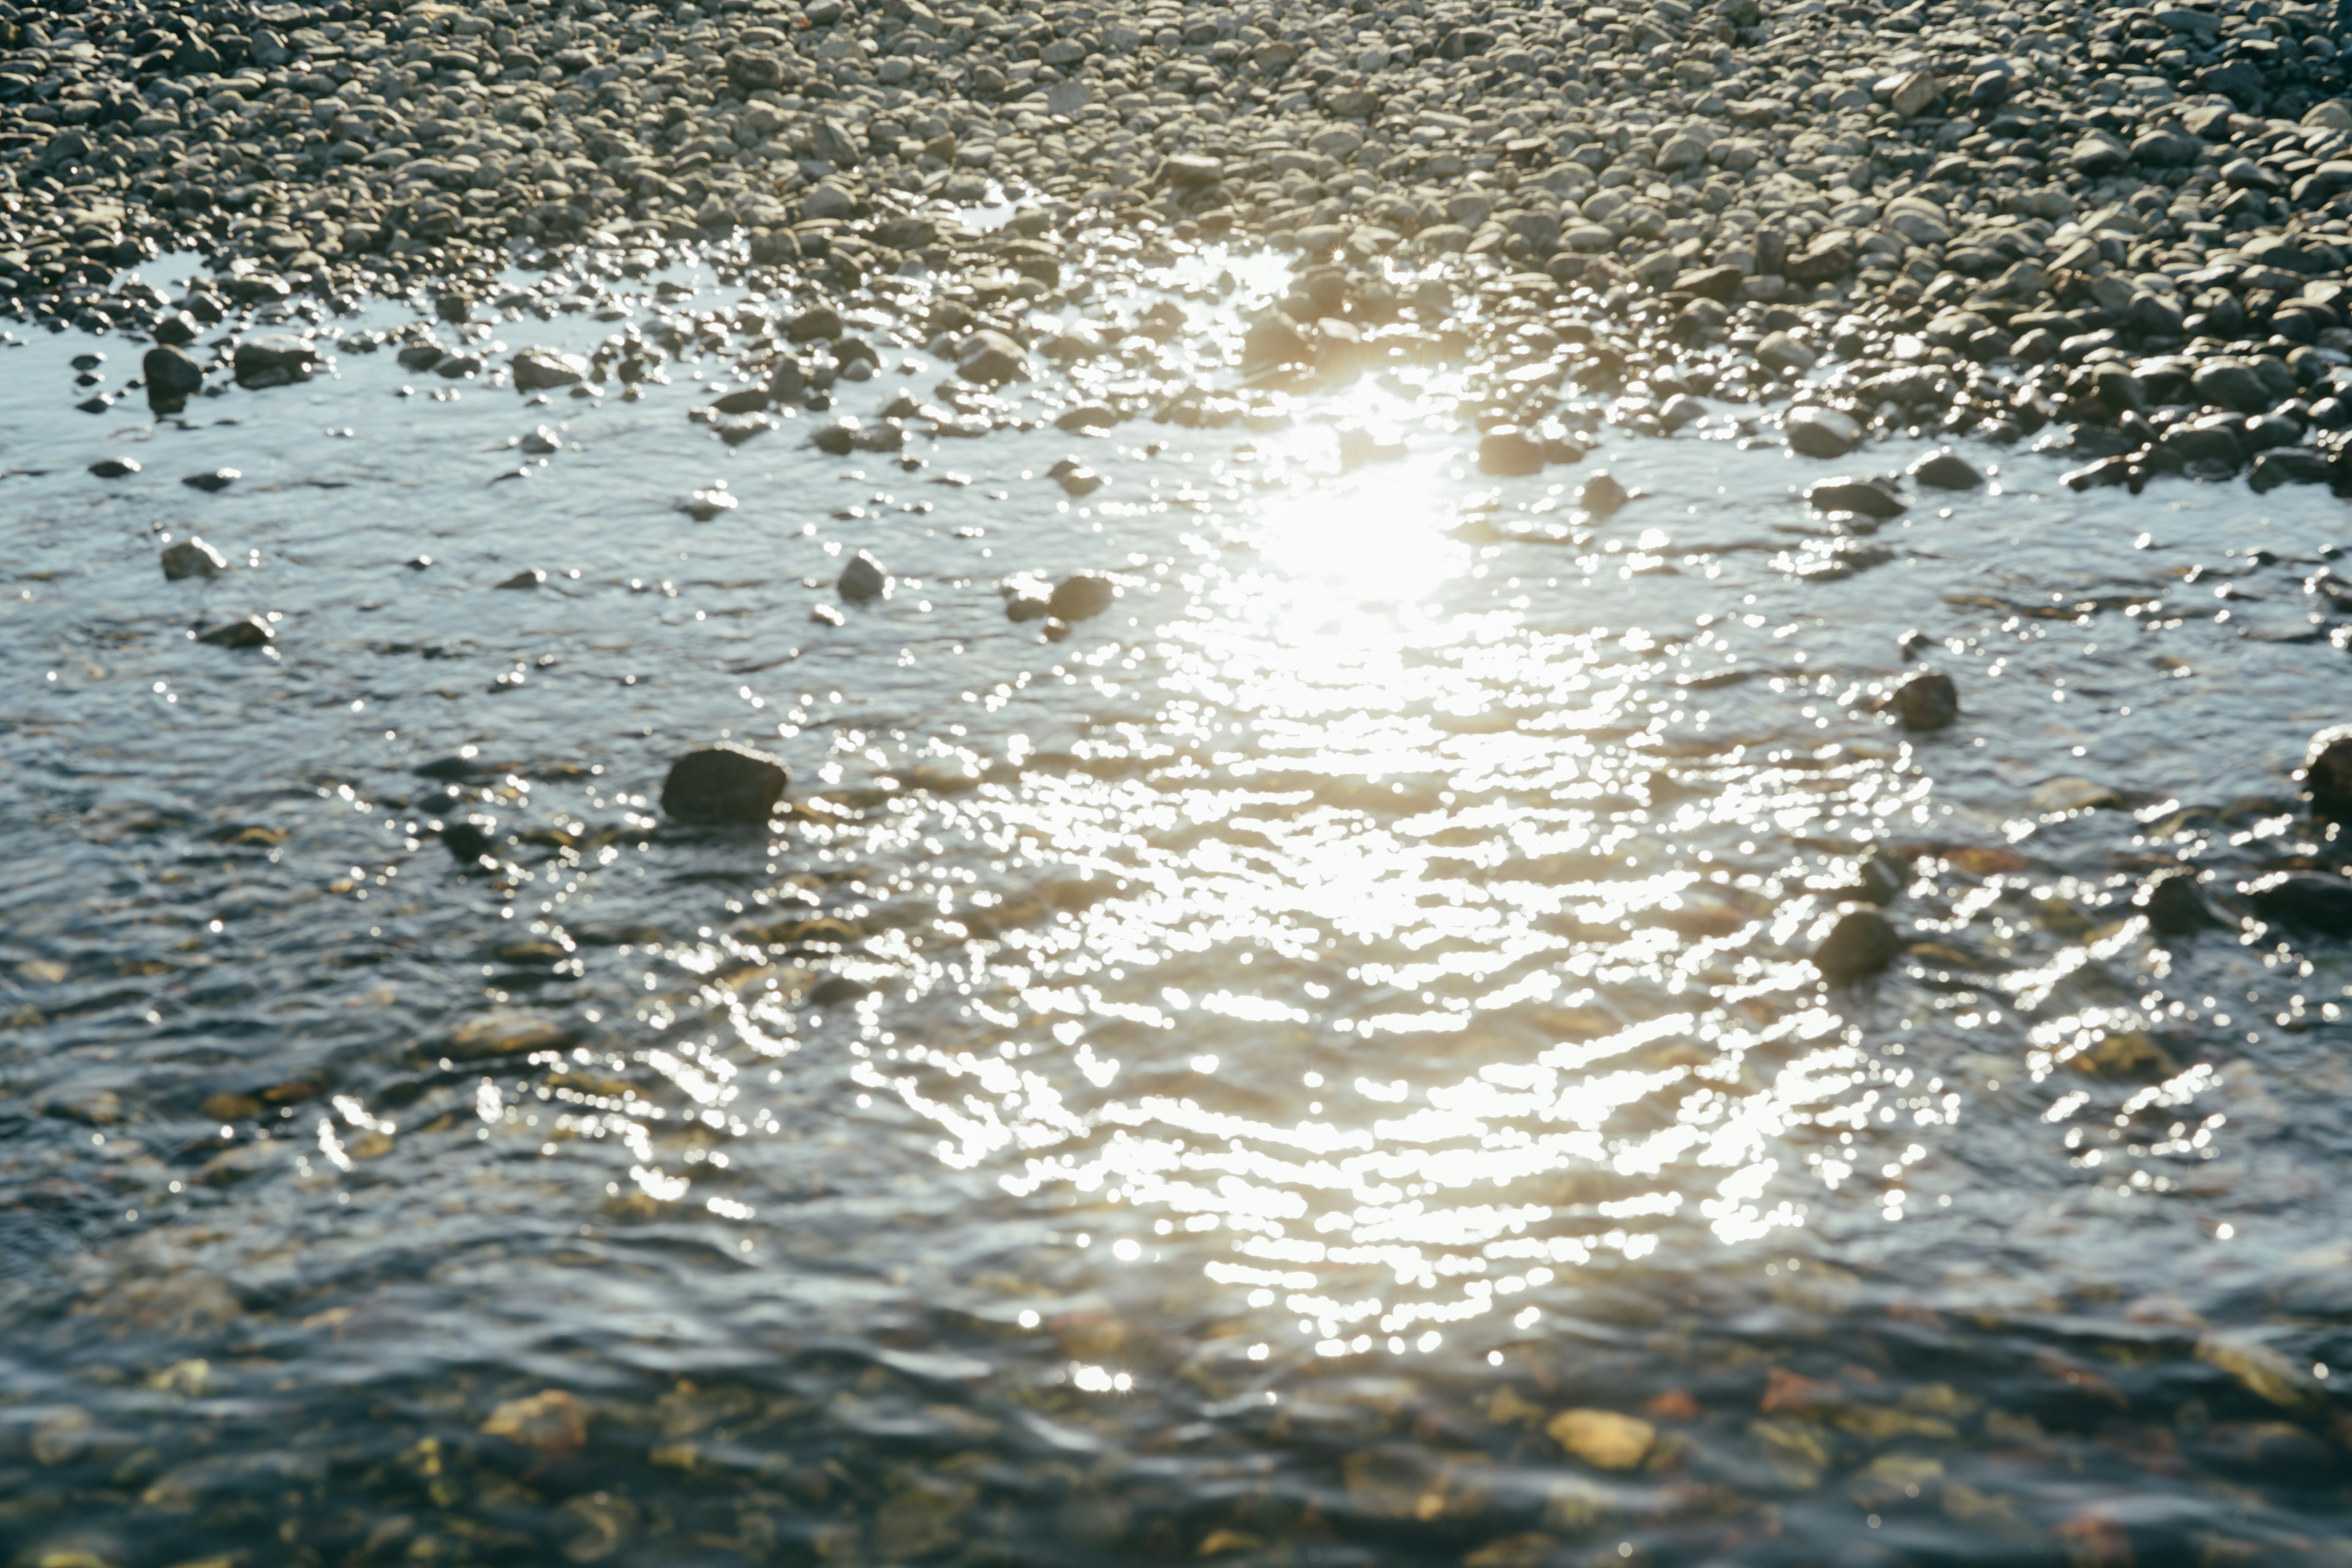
[[115, 468], [1508, 451], [1816, 432], [2326, 772], [1861, 944], [252, 631], [1945, 471], [1603, 1438], [468, 839], [212, 481], [1861, 498], [2310, 902], [192, 557], [172, 377], [1601, 495], [725, 783], [1926, 700], [2173, 905], [530, 577], [1081, 596], [702, 505], [863, 579]]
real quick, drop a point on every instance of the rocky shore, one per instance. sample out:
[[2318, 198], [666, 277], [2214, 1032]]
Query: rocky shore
[[2120, 230]]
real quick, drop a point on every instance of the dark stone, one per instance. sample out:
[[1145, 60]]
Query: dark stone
[[2172, 903], [212, 481], [172, 378], [839, 990], [1863, 497], [823, 322], [1081, 596], [274, 359], [250, 632], [750, 400], [1925, 701], [173, 328], [192, 557], [725, 783], [2326, 772], [1946, 471], [1509, 450], [2301, 901], [1601, 495], [1860, 945], [1875, 881], [115, 468], [2288, 465], [863, 579], [468, 839]]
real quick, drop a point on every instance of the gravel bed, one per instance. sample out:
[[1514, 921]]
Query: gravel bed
[[2122, 229]]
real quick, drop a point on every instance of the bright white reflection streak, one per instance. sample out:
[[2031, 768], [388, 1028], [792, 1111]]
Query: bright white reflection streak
[[1507, 1119]]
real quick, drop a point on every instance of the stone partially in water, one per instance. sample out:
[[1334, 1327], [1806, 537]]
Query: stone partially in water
[[863, 579], [1863, 498], [273, 358], [1861, 944], [115, 468], [702, 505], [2317, 903], [1080, 596], [1508, 451], [1601, 495], [469, 838], [192, 557], [212, 481], [537, 370], [1603, 1438], [992, 359], [2327, 770], [1815, 432], [2172, 903], [1946, 471], [250, 632], [1926, 700], [725, 783], [172, 377]]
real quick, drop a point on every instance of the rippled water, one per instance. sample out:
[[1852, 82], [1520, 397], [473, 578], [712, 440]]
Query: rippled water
[[1318, 1067]]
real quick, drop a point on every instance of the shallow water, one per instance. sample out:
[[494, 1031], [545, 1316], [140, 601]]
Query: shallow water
[[1225, 1085]]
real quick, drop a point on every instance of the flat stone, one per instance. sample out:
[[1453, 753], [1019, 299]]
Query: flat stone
[[725, 783], [1817, 432]]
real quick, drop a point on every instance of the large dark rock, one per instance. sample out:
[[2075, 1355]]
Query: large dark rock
[[274, 359], [2327, 770], [172, 377], [1926, 700], [725, 783], [1861, 944], [1863, 498], [863, 579], [1946, 471], [2173, 905], [2318, 905]]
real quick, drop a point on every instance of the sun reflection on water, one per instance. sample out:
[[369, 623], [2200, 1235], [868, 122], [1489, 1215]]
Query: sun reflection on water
[[1432, 966]]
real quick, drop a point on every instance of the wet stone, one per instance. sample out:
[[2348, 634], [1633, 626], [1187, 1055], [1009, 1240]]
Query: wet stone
[[863, 579], [1925, 701], [540, 370], [212, 481], [1506, 451], [725, 783], [1861, 498], [2311, 903], [1601, 495], [252, 631], [192, 557], [172, 377], [1946, 471], [1816, 432], [2327, 772], [115, 468], [2173, 905], [1861, 944], [1081, 596]]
